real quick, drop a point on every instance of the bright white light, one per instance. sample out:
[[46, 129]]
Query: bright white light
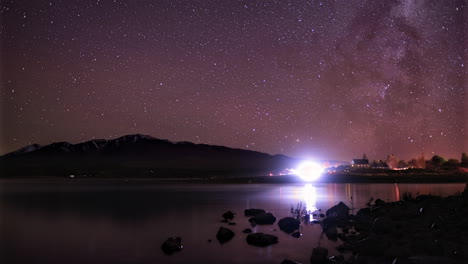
[[309, 195], [309, 171]]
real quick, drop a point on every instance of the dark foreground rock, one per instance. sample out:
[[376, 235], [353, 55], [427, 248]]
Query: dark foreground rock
[[433, 227], [289, 224], [379, 202], [261, 239], [263, 219], [172, 245], [224, 235], [340, 210], [332, 233], [253, 212], [319, 256]]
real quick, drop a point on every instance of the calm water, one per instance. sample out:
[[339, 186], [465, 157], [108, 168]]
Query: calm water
[[116, 222]]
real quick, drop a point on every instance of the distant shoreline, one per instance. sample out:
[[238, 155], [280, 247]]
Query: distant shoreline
[[452, 177]]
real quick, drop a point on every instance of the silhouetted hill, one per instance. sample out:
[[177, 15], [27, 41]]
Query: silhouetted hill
[[139, 156]]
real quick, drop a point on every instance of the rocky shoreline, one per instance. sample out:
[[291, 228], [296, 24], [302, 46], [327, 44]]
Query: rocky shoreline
[[423, 229]]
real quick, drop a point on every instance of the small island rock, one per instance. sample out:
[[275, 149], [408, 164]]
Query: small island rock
[[288, 224], [264, 219], [296, 234], [261, 239], [224, 235], [288, 261], [172, 245], [228, 215], [379, 202], [247, 231], [253, 212]]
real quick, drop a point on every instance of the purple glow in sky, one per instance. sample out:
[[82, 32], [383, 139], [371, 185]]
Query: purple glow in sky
[[325, 79]]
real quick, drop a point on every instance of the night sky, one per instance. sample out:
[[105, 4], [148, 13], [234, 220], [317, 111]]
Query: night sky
[[318, 79]]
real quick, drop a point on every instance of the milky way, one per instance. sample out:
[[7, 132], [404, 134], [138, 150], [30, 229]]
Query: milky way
[[319, 79]]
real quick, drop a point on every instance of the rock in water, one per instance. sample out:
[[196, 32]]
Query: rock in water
[[319, 255], [340, 210], [172, 245], [247, 231], [264, 219], [379, 202], [253, 212], [228, 215], [224, 235], [296, 234], [261, 239], [288, 224], [288, 261]]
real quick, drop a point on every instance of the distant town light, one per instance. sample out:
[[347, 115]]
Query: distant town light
[[309, 171]]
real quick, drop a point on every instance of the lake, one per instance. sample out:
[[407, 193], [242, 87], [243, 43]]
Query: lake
[[112, 221]]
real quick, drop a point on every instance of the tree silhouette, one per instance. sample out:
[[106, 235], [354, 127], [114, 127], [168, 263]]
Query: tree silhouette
[[451, 164], [421, 162], [402, 164], [437, 162], [464, 160]]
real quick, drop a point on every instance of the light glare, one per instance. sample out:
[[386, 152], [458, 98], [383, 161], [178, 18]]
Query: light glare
[[309, 171]]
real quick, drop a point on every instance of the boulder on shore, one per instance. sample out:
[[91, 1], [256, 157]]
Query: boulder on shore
[[319, 255], [372, 245], [253, 212], [379, 202], [340, 210], [172, 245], [332, 233], [264, 219], [383, 225], [261, 239], [288, 224], [224, 235]]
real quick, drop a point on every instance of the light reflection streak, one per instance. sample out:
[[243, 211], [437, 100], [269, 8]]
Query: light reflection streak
[[309, 195], [397, 193], [349, 194]]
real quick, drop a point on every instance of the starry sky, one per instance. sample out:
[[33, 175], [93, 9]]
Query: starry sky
[[310, 79]]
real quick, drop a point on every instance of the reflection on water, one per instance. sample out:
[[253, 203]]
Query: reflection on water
[[306, 208], [397, 192], [309, 195], [102, 222], [356, 196]]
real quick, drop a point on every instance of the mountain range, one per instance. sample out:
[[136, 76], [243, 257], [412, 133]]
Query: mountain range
[[139, 156]]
